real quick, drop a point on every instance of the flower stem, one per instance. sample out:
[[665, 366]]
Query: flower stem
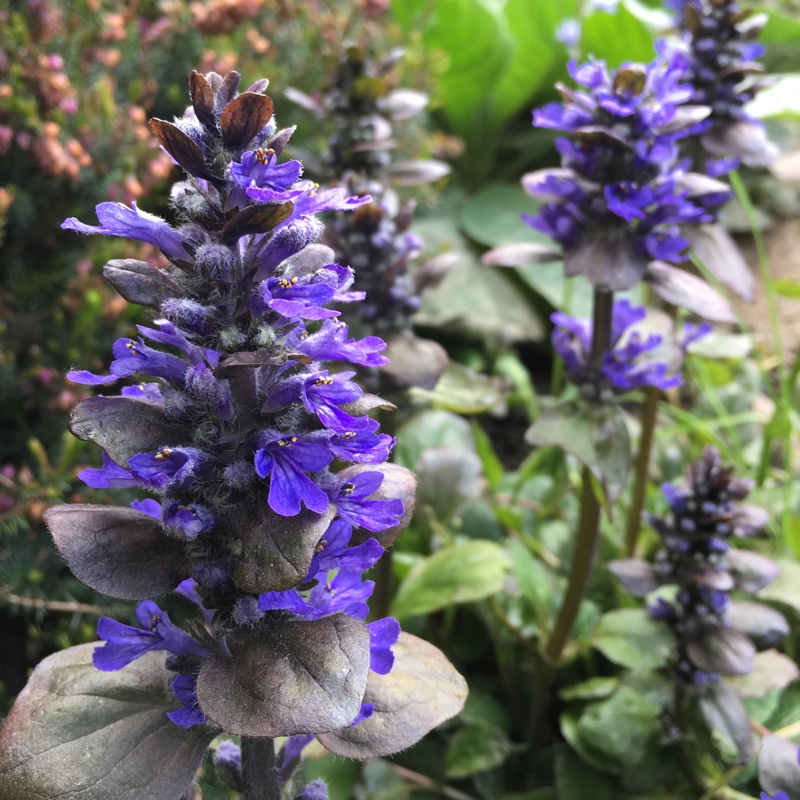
[[649, 414], [259, 769], [588, 527]]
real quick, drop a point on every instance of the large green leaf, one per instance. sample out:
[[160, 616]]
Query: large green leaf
[[596, 435], [616, 38], [620, 726], [460, 573], [463, 390], [535, 55], [780, 36], [784, 588], [631, 638], [577, 780], [432, 429], [475, 748], [474, 300], [491, 216], [475, 47], [76, 733]]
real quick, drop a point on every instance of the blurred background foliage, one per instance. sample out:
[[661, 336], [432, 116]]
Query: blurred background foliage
[[482, 567]]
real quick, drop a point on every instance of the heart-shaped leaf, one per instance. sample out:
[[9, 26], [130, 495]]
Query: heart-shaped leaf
[[596, 435], [141, 283], [244, 117], [422, 691], [460, 573], [288, 677], [116, 550], [124, 426], [76, 733], [276, 550]]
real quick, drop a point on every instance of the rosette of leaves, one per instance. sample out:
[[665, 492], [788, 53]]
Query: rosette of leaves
[[361, 105], [240, 422], [719, 37], [715, 636]]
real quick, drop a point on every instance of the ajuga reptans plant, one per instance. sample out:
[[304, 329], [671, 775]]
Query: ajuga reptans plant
[[240, 421], [715, 636], [376, 240]]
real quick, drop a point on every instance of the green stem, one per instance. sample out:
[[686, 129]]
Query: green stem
[[649, 414], [259, 769], [582, 560], [589, 525]]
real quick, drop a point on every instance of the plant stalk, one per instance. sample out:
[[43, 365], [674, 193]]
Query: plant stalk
[[641, 468], [260, 769], [589, 524]]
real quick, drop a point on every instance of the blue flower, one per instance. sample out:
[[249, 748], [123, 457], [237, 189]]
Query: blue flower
[[353, 503], [286, 460], [628, 363], [124, 643]]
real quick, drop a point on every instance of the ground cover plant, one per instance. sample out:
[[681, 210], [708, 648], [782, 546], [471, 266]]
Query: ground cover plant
[[442, 460]]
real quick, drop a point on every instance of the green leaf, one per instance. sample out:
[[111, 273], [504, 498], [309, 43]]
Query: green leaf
[[779, 101], [536, 582], [577, 780], [463, 391], [492, 468], [786, 287], [423, 691], [617, 37], [771, 670], [574, 295], [593, 689], [461, 573], [482, 709], [475, 748], [474, 300], [631, 638], [76, 731], [475, 47], [429, 429], [491, 217], [596, 435], [784, 588], [780, 38], [531, 29], [620, 726]]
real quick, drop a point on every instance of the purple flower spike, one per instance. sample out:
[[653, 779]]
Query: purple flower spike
[[170, 466], [124, 644], [619, 196], [333, 551]]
